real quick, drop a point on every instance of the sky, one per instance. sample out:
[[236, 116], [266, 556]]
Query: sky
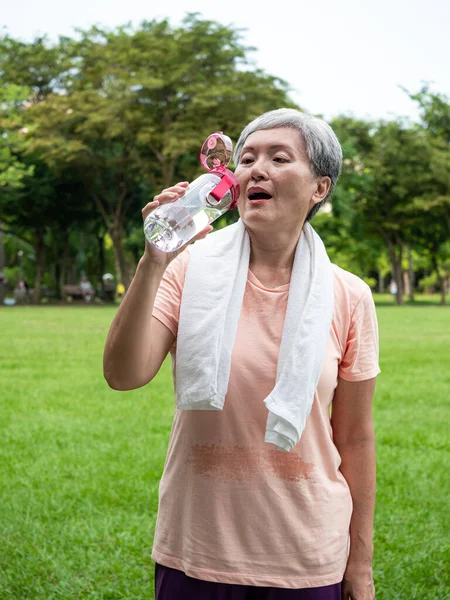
[[338, 56]]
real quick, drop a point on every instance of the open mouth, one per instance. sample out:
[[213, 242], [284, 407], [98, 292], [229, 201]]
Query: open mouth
[[255, 196]]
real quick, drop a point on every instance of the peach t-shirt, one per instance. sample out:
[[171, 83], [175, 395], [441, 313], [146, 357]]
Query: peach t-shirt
[[232, 508]]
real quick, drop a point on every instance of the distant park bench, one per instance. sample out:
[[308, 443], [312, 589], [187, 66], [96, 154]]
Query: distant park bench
[[74, 291]]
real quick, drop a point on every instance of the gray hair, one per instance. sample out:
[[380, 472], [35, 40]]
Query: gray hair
[[322, 146]]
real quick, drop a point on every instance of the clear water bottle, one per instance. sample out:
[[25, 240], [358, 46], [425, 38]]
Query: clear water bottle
[[206, 199]]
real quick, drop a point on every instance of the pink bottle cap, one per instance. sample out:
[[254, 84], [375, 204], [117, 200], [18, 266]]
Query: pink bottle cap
[[215, 155], [216, 151]]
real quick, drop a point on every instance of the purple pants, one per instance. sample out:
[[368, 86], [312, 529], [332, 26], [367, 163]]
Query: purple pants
[[171, 584]]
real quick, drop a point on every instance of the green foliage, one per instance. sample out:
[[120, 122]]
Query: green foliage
[[435, 109], [429, 283], [347, 240], [12, 170], [12, 274], [123, 113], [390, 196], [97, 124], [36, 65], [433, 232], [371, 281]]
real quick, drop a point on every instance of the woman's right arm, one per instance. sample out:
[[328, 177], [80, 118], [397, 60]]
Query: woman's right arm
[[137, 342]]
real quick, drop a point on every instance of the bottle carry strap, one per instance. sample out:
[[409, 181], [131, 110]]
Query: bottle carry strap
[[228, 182]]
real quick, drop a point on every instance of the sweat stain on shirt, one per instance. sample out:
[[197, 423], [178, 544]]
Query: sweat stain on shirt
[[242, 463]]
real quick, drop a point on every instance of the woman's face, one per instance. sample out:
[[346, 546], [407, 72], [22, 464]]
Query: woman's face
[[278, 189]]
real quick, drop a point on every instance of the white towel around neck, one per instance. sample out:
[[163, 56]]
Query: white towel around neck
[[210, 308]]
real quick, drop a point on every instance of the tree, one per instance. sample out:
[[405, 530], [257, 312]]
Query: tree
[[37, 66], [435, 206], [29, 73], [12, 170], [400, 167], [135, 106], [348, 241]]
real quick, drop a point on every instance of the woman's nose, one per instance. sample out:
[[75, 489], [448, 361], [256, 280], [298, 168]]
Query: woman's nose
[[258, 170]]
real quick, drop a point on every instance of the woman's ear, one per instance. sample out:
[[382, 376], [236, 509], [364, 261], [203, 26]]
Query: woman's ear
[[323, 187]]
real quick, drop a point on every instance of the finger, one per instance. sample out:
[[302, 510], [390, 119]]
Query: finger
[[183, 183], [148, 208], [178, 189], [202, 234], [170, 195], [167, 196], [181, 186]]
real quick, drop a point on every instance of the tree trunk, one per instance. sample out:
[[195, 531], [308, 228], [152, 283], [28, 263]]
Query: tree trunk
[[446, 287], [443, 284], [64, 272], [62, 278], [39, 248], [122, 268], [441, 278], [2, 265], [117, 269], [61, 251], [168, 172], [58, 271], [72, 271], [406, 284], [114, 225], [395, 255], [380, 282], [412, 282], [101, 262]]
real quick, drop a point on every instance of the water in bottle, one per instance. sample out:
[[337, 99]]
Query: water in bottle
[[172, 225]]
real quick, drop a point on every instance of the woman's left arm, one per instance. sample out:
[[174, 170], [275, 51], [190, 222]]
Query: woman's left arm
[[353, 435]]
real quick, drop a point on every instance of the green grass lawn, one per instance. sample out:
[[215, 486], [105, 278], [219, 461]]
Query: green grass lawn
[[419, 300], [80, 464]]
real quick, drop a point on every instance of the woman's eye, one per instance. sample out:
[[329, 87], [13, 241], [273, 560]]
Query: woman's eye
[[247, 160], [280, 159]]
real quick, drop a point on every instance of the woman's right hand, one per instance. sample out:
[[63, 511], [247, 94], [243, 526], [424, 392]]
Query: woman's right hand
[[171, 194]]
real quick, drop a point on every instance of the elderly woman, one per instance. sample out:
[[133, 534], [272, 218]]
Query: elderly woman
[[265, 496]]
